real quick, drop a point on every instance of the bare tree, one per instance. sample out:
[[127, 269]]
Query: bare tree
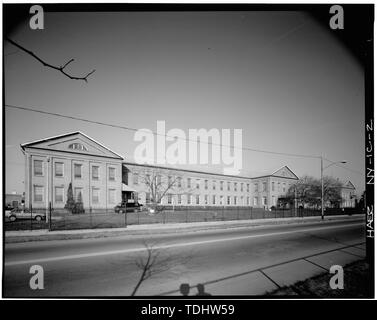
[[307, 191], [158, 187], [46, 64]]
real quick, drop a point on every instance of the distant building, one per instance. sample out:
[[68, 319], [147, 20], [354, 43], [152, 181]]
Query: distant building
[[14, 200], [51, 164], [348, 194]]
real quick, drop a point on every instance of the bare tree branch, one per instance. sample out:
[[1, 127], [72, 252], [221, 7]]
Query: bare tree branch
[[60, 69], [156, 262]]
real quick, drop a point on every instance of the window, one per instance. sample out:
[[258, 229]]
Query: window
[[255, 201], [170, 180], [147, 197], [222, 200], [78, 195], [235, 186], [256, 187], [205, 184], [228, 200], [170, 198], [197, 199], [179, 182], [111, 174], [59, 194], [197, 184], [95, 172], [59, 168], [188, 182], [179, 199], [38, 193], [247, 188], [205, 199], [279, 187], [273, 186], [38, 167], [283, 187], [235, 200], [148, 179], [213, 199], [77, 146], [112, 196], [95, 195], [241, 187], [264, 186], [241, 203], [264, 201], [214, 185], [248, 201], [228, 186], [189, 199], [135, 178], [221, 185], [77, 170]]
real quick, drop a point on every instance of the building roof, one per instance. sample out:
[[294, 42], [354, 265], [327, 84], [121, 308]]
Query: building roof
[[349, 185], [213, 173], [65, 135]]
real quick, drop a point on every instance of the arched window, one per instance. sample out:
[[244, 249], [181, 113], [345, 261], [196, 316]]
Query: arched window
[[77, 146]]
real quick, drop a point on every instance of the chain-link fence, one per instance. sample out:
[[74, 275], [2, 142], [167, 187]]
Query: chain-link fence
[[61, 219]]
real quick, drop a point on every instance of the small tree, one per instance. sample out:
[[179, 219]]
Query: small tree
[[70, 204], [79, 206]]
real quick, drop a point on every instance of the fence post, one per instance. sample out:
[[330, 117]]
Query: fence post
[[49, 216], [238, 213], [31, 217], [251, 213], [90, 217]]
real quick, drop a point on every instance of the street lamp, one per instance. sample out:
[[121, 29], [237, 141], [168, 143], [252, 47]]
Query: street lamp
[[323, 169]]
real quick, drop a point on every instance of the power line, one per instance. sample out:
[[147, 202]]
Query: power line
[[159, 134], [174, 137]]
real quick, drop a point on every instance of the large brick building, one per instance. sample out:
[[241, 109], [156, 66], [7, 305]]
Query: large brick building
[[196, 188], [52, 164], [101, 179]]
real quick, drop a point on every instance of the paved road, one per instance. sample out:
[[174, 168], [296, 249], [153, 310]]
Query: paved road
[[243, 261]]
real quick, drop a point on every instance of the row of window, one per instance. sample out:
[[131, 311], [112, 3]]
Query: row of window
[[177, 181], [215, 200], [77, 170], [60, 195]]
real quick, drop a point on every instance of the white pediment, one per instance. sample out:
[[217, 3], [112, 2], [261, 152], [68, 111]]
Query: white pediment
[[285, 172], [75, 142]]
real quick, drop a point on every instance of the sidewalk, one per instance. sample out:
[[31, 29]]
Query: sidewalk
[[147, 229]]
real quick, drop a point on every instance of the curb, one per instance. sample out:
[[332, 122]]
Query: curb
[[154, 229]]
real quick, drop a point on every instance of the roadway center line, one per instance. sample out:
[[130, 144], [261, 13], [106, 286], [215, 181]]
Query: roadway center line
[[193, 243]]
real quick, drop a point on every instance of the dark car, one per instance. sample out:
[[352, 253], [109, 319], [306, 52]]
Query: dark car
[[128, 207]]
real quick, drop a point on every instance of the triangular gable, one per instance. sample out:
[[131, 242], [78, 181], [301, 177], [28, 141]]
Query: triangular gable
[[75, 142], [349, 185], [285, 172]]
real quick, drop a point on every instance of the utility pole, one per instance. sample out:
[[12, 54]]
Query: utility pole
[[322, 208], [322, 191]]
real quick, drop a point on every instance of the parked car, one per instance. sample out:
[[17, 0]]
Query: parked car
[[22, 214], [128, 207]]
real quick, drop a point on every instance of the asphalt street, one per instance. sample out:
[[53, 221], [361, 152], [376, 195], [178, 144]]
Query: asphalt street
[[236, 261]]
